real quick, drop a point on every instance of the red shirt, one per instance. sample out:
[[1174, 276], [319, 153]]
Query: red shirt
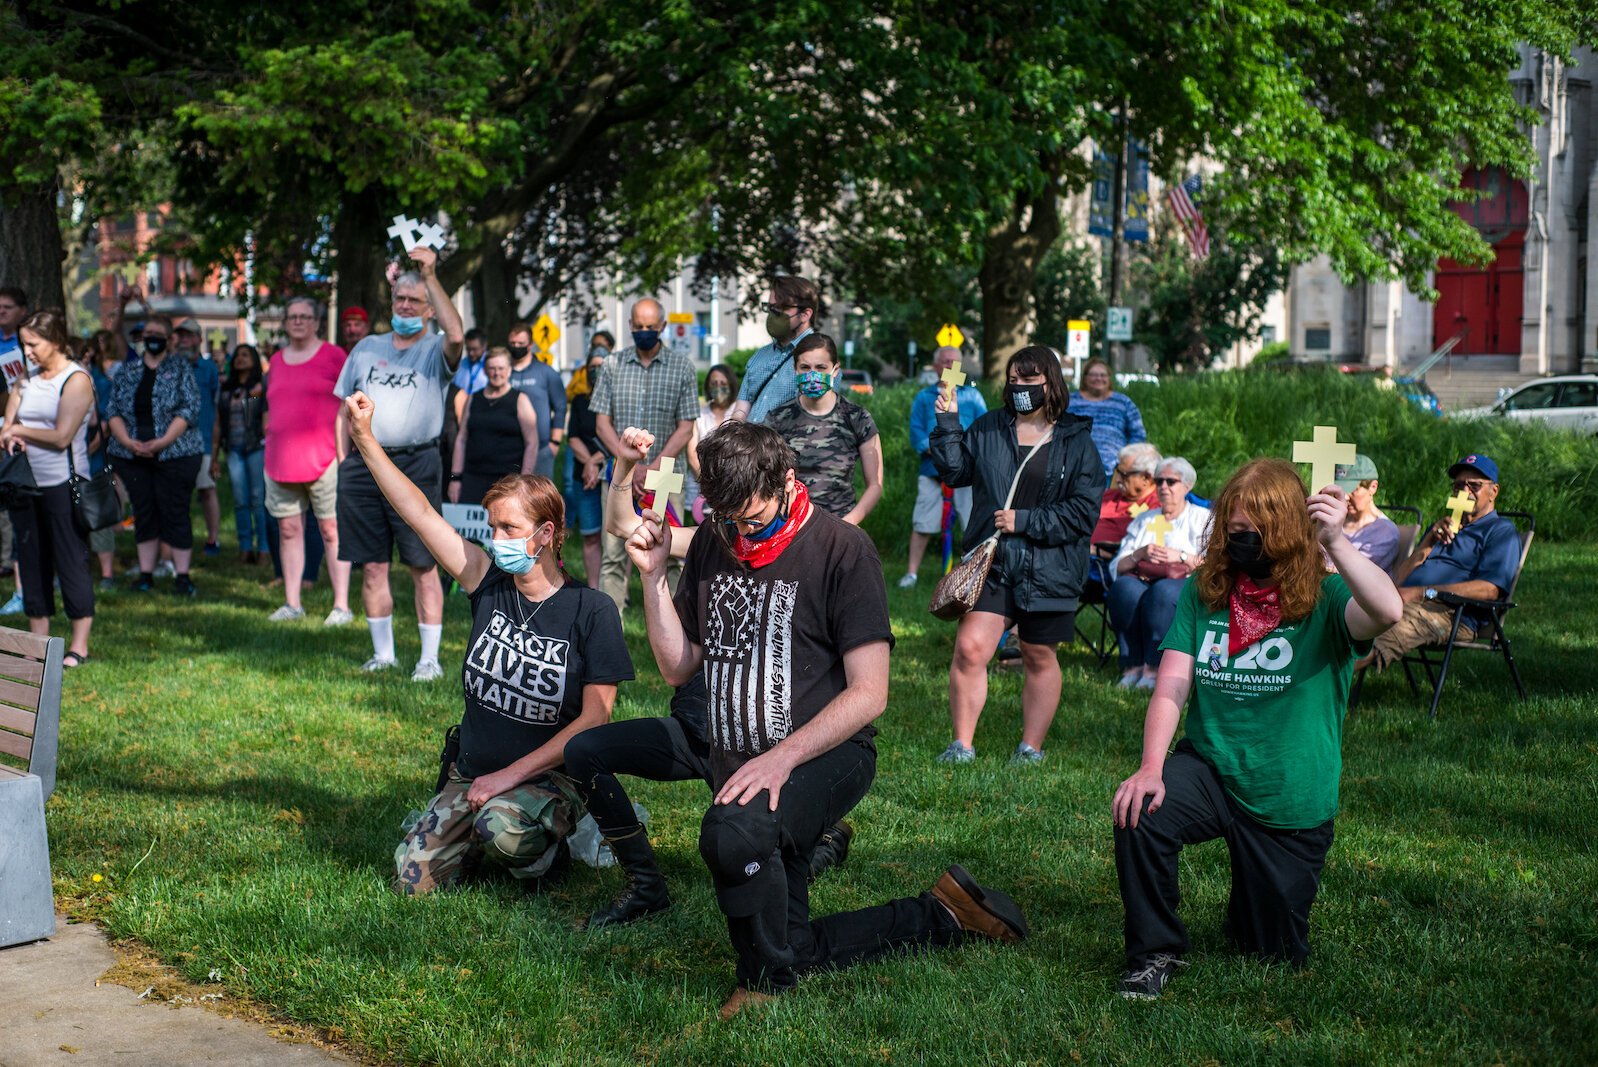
[[1116, 514]]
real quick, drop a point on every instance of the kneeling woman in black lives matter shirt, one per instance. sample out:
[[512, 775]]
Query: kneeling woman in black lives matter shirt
[[541, 667]]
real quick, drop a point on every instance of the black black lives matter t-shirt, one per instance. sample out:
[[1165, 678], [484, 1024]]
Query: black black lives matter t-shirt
[[774, 637], [524, 672]]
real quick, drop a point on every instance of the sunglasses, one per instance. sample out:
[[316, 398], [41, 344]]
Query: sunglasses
[[779, 309], [1475, 485], [1167, 481]]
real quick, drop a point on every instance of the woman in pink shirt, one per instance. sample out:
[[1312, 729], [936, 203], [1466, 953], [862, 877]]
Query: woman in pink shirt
[[301, 456]]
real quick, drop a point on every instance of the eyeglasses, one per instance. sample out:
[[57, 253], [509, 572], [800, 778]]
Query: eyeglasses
[[779, 309], [1167, 481], [1119, 473], [1475, 485]]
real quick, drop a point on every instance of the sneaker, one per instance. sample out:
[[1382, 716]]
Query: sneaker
[[957, 753], [105, 585], [339, 617], [1148, 981], [286, 614], [1025, 753], [427, 670], [165, 569], [1009, 649], [378, 663], [14, 605], [132, 572], [143, 585], [908, 580], [213, 549], [183, 585]]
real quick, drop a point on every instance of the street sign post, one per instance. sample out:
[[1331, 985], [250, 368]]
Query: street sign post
[[545, 334], [1118, 324], [950, 336], [1078, 338]]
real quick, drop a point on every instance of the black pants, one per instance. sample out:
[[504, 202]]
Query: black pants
[[49, 546], [657, 750], [161, 492], [1275, 873], [760, 860]]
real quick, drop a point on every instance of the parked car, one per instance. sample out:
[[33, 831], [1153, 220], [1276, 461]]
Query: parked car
[[855, 381], [1569, 401]]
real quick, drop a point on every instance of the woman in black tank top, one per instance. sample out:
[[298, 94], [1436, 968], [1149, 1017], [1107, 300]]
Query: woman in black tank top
[[498, 434]]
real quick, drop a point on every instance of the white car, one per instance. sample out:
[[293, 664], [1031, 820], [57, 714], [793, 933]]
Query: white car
[[1569, 401]]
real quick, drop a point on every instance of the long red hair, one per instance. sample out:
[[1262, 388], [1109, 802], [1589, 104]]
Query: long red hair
[[1271, 494]]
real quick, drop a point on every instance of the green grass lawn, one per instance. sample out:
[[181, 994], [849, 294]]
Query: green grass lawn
[[240, 787]]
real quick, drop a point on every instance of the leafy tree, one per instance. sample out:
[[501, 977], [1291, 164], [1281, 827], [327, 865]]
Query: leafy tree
[[1067, 287], [1196, 309]]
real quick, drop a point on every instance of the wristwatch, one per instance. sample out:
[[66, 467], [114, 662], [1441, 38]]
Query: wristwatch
[[1431, 594]]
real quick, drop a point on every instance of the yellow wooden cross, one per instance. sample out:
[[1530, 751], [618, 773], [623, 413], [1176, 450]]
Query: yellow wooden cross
[[954, 378], [1323, 455], [1460, 505], [1161, 526], [1137, 509], [664, 479]]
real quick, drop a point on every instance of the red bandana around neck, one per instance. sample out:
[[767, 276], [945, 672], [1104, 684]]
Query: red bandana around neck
[[1255, 611], [760, 553]]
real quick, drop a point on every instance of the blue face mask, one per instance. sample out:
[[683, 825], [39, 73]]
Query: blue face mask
[[510, 555], [646, 340], [407, 325], [768, 531], [813, 383]]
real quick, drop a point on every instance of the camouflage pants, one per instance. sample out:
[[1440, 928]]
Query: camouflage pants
[[518, 830]]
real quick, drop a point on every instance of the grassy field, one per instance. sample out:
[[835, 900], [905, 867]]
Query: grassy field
[[239, 787]]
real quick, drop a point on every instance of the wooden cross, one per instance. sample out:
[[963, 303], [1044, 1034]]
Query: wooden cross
[[664, 479], [1323, 455], [1460, 505], [1137, 509], [954, 378], [1161, 526]]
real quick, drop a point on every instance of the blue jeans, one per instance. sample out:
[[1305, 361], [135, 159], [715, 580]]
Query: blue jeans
[[1140, 613], [247, 472], [585, 508]]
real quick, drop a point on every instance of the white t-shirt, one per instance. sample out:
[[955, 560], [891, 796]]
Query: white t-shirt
[[1190, 533], [41, 402], [407, 387]]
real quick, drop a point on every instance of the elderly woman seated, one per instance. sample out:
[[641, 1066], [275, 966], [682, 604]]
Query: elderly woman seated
[[1130, 494], [1161, 548]]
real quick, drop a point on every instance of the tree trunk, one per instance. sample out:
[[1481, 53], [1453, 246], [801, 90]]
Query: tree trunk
[[1012, 253], [361, 253], [31, 252], [494, 297]]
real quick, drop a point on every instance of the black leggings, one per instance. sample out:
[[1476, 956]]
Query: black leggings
[[161, 492], [49, 546]]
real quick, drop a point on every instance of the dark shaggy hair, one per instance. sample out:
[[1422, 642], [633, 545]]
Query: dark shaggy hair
[[1041, 359], [739, 461], [814, 341]]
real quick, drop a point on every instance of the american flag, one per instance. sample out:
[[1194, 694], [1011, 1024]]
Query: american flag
[[1182, 200]]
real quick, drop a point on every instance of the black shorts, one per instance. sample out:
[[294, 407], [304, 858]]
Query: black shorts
[[1033, 627], [368, 526]]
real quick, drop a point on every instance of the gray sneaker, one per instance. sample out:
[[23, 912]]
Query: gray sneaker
[[286, 614], [165, 569], [907, 581], [339, 617], [1148, 981], [957, 753], [1025, 753], [378, 663], [427, 670]]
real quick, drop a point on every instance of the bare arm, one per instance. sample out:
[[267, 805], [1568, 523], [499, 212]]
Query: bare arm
[[679, 438], [871, 467], [77, 397], [865, 696], [1375, 605], [739, 412], [457, 458], [527, 418], [620, 517], [678, 658], [1171, 688], [597, 703], [464, 561], [449, 320]]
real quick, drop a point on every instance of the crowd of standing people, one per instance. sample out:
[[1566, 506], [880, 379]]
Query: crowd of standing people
[[735, 503]]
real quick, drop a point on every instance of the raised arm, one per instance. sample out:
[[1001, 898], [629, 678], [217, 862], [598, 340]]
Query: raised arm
[[464, 561], [449, 320], [621, 519], [1375, 606]]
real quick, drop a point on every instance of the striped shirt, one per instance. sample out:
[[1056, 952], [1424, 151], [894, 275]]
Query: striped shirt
[[1116, 423]]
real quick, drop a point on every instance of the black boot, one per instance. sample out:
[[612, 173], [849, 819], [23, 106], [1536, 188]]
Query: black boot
[[832, 849], [645, 891]]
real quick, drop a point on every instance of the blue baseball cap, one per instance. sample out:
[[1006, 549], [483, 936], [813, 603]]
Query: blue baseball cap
[[1478, 463]]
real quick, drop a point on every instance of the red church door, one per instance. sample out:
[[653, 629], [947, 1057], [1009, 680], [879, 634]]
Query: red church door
[[1485, 303]]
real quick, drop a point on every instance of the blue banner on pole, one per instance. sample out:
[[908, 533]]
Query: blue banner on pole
[[1101, 208]]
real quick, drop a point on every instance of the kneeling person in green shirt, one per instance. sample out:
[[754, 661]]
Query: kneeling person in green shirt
[[1264, 641]]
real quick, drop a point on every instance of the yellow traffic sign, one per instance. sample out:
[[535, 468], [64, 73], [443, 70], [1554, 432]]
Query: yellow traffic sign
[[545, 333], [680, 316], [950, 336]]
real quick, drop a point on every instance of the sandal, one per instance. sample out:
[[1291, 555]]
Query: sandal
[[73, 659]]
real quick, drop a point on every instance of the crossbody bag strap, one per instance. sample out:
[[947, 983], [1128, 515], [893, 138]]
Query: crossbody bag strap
[[1016, 481]]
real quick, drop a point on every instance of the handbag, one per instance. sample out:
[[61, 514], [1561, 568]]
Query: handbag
[[957, 592], [94, 500]]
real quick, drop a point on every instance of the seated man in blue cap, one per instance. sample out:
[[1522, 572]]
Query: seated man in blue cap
[[1478, 560]]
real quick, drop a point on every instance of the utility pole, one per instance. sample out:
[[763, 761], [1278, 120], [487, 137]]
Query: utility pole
[[1112, 351]]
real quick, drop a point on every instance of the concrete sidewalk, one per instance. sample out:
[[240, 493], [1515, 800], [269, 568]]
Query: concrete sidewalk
[[51, 1012]]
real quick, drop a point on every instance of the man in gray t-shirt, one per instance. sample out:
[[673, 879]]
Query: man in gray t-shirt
[[544, 387], [405, 373]]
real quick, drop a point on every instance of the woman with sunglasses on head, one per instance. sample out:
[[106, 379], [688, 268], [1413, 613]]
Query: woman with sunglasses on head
[[1159, 551], [1036, 481], [1265, 643], [542, 665]]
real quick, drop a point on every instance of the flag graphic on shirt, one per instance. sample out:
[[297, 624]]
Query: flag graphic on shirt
[[1184, 203], [749, 662]]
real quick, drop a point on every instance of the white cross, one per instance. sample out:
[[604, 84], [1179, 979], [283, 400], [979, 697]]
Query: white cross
[[1323, 455], [432, 235], [404, 230], [664, 479]]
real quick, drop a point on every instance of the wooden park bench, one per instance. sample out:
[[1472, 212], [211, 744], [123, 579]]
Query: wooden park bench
[[30, 721]]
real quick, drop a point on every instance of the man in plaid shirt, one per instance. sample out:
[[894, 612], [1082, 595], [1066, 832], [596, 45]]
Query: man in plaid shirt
[[649, 386]]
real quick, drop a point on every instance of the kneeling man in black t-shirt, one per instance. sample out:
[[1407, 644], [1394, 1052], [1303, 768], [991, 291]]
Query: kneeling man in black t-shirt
[[786, 612]]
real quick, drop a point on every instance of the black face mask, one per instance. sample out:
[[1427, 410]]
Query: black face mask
[[1246, 550], [1024, 399], [155, 345], [519, 352]]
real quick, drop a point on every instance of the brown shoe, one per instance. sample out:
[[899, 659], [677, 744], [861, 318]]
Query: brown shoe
[[743, 998], [979, 910]]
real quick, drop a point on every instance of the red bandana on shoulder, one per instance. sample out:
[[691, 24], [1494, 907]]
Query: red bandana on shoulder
[[759, 553], [1255, 612]]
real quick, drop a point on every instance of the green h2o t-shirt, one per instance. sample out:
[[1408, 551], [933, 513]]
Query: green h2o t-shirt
[[1270, 719]]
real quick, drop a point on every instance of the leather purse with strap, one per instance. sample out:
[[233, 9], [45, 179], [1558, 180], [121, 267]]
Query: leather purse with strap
[[959, 590]]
